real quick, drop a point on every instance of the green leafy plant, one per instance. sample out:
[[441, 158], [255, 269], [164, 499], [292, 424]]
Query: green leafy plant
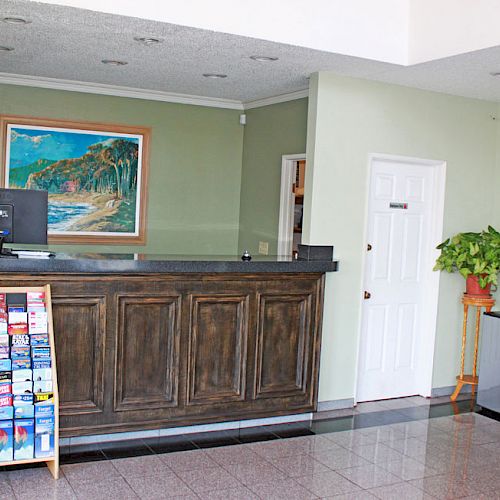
[[475, 254]]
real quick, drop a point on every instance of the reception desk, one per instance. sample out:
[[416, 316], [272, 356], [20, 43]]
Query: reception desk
[[148, 342]]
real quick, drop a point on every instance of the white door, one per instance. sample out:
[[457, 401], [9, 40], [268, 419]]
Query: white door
[[399, 233]]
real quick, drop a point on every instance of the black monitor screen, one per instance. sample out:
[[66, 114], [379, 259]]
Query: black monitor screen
[[23, 216]]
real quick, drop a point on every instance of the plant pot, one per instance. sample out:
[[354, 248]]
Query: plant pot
[[472, 287]]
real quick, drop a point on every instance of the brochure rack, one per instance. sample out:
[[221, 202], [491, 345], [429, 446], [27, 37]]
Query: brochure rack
[[52, 461]]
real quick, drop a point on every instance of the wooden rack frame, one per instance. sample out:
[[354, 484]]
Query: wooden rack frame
[[52, 462]]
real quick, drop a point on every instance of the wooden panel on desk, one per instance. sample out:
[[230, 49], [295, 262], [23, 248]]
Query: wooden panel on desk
[[217, 348], [79, 323], [147, 361], [284, 338]]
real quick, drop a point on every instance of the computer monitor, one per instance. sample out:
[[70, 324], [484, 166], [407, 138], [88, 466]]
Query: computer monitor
[[23, 217]]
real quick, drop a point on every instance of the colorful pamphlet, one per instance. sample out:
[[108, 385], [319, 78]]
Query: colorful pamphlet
[[5, 400], [6, 413], [40, 363], [20, 351], [44, 437], [24, 411], [6, 376], [20, 340], [23, 399], [42, 374], [22, 388], [24, 438], [39, 340], [5, 388], [21, 363], [43, 397], [22, 375], [5, 365], [6, 441], [44, 409], [40, 353], [37, 322], [4, 352], [42, 386]]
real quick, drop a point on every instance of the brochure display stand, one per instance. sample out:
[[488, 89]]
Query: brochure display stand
[[29, 399]]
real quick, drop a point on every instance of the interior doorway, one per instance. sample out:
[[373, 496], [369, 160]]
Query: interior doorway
[[404, 225], [291, 203]]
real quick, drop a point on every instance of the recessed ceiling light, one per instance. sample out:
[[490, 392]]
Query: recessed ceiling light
[[214, 75], [113, 62], [146, 40], [16, 20], [263, 58], [6, 49]]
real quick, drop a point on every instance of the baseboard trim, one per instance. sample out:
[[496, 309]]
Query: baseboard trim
[[337, 404], [438, 392]]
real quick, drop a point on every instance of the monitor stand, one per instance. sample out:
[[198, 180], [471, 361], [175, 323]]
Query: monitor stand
[[5, 253]]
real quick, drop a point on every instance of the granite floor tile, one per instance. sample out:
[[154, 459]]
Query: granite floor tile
[[105, 490], [6, 492], [286, 489], [28, 490], [359, 495], [446, 486], [407, 468], [90, 472], [327, 484], [348, 439], [208, 479], [38, 475], [238, 454], [369, 476], [382, 434], [400, 491], [377, 453], [310, 444], [187, 460], [241, 493], [156, 487], [255, 474], [339, 459], [299, 465], [149, 465]]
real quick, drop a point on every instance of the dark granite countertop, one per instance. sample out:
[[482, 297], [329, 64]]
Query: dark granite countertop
[[107, 263]]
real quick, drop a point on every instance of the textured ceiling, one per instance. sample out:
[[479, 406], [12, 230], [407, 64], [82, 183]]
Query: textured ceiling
[[69, 44]]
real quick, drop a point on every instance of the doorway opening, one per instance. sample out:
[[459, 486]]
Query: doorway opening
[[399, 301], [291, 203]]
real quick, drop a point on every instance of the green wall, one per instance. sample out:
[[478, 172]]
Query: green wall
[[270, 132], [349, 119], [195, 165]]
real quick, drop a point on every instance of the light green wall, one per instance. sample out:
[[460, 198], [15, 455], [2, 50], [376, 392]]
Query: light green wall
[[270, 132], [349, 119], [195, 168]]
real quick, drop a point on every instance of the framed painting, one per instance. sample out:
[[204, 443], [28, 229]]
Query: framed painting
[[95, 173]]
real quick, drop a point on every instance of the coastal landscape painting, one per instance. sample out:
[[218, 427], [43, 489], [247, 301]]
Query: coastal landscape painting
[[95, 177]]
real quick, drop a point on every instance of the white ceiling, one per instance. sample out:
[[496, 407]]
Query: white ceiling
[[68, 44]]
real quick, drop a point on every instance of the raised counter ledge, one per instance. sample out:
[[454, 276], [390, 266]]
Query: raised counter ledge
[[144, 263]]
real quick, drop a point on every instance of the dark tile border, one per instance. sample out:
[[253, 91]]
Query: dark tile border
[[169, 444]]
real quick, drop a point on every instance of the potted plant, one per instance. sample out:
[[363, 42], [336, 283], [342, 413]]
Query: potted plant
[[476, 256]]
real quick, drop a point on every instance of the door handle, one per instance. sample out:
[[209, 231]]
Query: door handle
[[367, 295], [368, 247]]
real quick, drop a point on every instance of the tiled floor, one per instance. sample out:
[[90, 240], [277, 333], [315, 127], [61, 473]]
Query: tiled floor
[[402, 449]]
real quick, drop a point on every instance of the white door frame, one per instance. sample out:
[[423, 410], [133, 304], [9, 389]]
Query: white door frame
[[431, 278], [287, 203]]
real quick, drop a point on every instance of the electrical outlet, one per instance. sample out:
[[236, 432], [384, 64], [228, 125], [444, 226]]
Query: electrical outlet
[[264, 247]]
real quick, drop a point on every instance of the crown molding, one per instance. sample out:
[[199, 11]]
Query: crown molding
[[117, 91], [148, 95], [291, 96]]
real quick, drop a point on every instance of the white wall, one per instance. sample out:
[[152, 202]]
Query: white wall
[[349, 119], [443, 28]]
